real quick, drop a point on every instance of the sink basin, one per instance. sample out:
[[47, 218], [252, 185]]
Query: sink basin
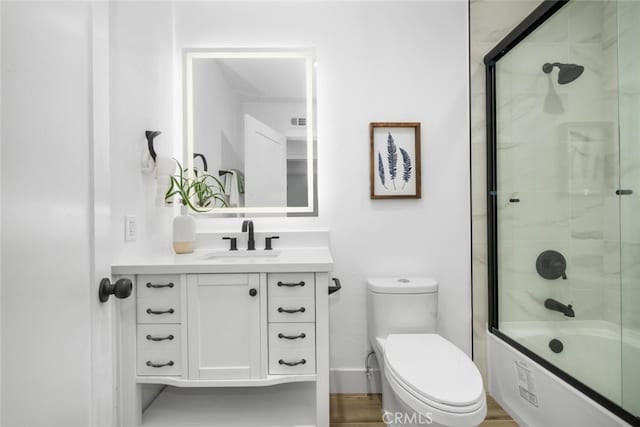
[[244, 254]]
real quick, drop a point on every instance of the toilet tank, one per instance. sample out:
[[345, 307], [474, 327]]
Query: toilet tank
[[401, 306]]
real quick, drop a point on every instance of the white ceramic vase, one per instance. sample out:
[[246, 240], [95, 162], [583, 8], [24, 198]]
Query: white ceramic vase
[[184, 234]]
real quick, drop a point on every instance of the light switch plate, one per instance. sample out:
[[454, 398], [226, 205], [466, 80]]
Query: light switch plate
[[130, 228]]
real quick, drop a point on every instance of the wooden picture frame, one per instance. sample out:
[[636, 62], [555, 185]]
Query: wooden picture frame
[[395, 171]]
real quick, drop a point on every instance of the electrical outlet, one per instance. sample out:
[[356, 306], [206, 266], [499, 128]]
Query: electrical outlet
[[130, 228]]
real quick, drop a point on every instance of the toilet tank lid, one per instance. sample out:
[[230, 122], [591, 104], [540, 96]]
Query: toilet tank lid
[[402, 285]]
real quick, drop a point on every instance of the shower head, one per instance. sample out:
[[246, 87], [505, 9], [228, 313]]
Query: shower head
[[567, 72], [552, 102]]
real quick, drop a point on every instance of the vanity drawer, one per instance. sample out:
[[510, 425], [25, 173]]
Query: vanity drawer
[[158, 286], [288, 285], [289, 352], [292, 309], [158, 310], [159, 350]]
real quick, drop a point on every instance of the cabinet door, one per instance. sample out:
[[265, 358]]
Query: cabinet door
[[224, 326]]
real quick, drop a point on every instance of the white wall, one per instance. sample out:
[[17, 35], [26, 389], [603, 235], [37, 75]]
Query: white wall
[[218, 124], [278, 116], [46, 107], [379, 61], [142, 94]]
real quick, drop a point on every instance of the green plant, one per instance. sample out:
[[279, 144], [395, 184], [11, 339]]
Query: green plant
[[199, 192]]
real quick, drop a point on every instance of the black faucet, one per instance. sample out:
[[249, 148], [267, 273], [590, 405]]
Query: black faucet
[[554, 305], [247, 225]]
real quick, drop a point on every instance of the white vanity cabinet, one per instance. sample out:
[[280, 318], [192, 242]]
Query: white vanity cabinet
[[212, 331], [291, 301], [224, 319], [160, 332]]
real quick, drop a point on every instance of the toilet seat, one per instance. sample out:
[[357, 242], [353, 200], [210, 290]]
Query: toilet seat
[[430, 374], [438, 415]]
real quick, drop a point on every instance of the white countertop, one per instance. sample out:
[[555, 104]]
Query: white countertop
[[288, 260]]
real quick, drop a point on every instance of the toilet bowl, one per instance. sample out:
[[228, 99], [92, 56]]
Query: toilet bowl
[[426, 380]]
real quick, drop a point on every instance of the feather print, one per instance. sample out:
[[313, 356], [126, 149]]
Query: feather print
[[381, 170], [406, 163], [392, 157]]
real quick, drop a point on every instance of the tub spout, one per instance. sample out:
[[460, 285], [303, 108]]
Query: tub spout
[[554, 305]]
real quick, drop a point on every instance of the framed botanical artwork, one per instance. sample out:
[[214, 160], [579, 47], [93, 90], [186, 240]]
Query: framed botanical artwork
[[395, 160]]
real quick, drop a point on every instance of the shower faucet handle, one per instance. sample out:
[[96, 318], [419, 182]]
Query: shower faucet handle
[[551, 265]]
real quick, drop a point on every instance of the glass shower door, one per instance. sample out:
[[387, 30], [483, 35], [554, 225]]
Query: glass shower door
[[564, 195], [629, 107], [558, 212]]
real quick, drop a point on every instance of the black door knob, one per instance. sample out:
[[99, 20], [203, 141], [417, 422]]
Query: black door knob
[[253, 292], [121, 289]]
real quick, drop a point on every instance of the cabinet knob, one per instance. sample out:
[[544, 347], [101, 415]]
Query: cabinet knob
[[290, 285], [152, 338], [152, 286], [253, 292], [170, 311], [292, 337], [159, 365], [301, 362], [291, 311]]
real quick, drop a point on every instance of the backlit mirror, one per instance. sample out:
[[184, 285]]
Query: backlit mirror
[[249, 121]]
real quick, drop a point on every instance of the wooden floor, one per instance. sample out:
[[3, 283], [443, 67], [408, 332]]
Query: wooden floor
[[364, 410]]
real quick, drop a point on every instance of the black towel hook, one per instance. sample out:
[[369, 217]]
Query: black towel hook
[[335, 288], [205, 167], [151, 134]]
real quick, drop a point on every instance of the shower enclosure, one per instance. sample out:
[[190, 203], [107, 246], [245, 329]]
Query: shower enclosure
[[563, 157]]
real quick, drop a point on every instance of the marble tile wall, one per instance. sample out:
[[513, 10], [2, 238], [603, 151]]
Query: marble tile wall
[[490, 21], [557, 154]]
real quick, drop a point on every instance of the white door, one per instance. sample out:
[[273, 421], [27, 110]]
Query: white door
[[57, 342], [265, 165], [224, 326]]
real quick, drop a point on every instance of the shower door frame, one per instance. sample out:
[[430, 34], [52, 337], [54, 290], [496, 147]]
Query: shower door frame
[[536, 18]]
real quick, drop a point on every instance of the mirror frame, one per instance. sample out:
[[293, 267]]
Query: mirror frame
[[189, 54]]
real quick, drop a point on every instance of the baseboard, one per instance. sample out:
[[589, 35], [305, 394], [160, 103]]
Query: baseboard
[[354, 381]]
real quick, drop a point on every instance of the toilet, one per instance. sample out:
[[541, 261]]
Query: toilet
[[426, 380]]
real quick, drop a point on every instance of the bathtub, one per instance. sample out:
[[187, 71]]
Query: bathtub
[[591, 352]]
